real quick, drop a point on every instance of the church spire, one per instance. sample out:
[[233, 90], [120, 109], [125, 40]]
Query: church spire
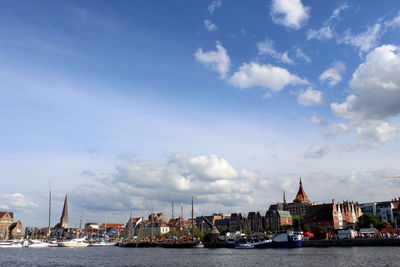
[[64, 215], [301, 195], [284, 198]]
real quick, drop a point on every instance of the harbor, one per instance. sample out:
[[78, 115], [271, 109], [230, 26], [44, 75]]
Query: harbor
[[114, 256]]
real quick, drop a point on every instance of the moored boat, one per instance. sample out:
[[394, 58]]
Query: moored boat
[[77, 242], [245, 245], [34, 243], [102, 243], [11, 244], [281, 240]]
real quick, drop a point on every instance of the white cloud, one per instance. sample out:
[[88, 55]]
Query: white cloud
[[365, 41], [267, 48], [333, 74], [290, 13], [216, 60], [209, 178], [376, 87], [210, 26], [268, 76], [376, 95], [395, 22], [337, 129], [376, 133], [317, 119], [310, 97], [16, 201], [327, 31], [214, 5]]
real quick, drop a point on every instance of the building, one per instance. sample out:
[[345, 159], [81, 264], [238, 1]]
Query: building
[[255, 221], [92, 226], [238, 221], [386, 210], [332, 216], [17, 229], [6, 219], [64, 215], [277, 218], [299, 205]]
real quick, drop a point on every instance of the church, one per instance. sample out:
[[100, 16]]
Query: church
[[299, 205]]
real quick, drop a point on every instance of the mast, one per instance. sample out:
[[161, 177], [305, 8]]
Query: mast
[[192, 221], [48, 230]]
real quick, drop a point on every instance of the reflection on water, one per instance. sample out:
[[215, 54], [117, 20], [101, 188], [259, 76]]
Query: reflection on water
[[115, 256]]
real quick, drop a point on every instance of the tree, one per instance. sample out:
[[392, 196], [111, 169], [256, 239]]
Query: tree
[[369, 220], [298, 223]]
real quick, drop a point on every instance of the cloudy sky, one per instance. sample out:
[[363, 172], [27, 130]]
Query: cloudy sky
[[134, 104]]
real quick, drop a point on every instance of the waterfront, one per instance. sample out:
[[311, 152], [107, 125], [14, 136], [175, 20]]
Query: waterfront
[[115, 256]]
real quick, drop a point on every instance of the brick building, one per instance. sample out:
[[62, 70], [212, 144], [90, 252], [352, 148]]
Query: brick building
[[299, 205], [6, 219], [333, 216]]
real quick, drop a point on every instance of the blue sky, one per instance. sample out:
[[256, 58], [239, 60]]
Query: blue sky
[[230, 101]]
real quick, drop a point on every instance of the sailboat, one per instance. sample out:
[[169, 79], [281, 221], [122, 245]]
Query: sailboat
[[183, 243]]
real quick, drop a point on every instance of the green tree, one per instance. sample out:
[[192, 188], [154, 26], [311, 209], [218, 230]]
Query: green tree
[[369, 220], [298, 223]]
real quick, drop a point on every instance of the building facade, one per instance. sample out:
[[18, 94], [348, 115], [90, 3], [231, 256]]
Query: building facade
[[386, 210], [6, 219]]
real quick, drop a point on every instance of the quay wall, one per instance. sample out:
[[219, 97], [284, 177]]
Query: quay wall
[[352, 242]]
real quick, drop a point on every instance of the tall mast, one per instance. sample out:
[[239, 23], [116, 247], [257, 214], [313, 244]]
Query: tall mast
[[192, 221], [48, 231]]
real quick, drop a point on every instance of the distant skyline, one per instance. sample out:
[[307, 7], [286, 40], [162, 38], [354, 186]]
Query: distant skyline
[[125, 104]]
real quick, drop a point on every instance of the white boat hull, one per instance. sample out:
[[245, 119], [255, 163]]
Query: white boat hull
[[10, 245], [72, 245]]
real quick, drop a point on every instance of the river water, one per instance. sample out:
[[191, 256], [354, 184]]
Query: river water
[[116, 256]]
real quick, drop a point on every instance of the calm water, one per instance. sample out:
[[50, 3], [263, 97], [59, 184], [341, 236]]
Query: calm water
[[115, 256]]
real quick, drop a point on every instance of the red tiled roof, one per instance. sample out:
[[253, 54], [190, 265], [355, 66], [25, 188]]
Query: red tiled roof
[[3, 213]]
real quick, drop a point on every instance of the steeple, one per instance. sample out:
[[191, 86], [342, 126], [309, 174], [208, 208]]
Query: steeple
[[301, 195], [64, 215], [284, 198]]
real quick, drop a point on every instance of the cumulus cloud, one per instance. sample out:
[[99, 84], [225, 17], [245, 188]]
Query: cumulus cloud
[[375, 97], [216, 60], [210, 26], [376, 87], [214, 5], [267, 48], [333, 74], [16, 201], [218, 186], [290, 13], [376, 133], [209, 178], [268, 76], [327, 31], [310, 97]]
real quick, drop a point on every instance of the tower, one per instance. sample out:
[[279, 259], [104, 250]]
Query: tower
[[301, 196], [64, 215]]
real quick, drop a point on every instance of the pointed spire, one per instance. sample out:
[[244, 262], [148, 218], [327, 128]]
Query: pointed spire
[[301, 195], [284, 198], [64, 215]]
